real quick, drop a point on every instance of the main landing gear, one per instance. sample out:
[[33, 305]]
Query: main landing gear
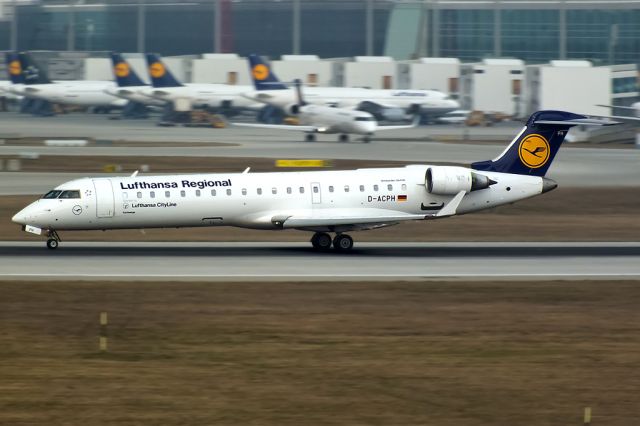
[[54, 239], [322, 241]]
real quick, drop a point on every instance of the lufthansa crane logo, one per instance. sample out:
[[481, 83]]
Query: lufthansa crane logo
[[534, 151], [15, 68], [260, 72], [156, 70], [122, 69]]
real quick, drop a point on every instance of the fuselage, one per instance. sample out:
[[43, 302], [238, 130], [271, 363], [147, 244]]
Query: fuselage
[[337, 120], [205, 95], [261, 200], [84, 93]]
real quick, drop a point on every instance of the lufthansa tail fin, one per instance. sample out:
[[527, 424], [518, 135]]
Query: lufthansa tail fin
[[159, 73], [535, 147], [32, 73], [14, 68], [262, 75], [124, 75]]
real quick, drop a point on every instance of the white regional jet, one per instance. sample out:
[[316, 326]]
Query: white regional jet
[[317, 201], [388, 104], [323, 119]]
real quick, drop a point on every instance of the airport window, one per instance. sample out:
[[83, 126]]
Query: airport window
[[361, 188], [213, 192], [346, 188], [167, 194], [259, 191], [375, 187], [244, 191], [288, 190], [52, 194], [153, 194], [70, 194], [139, 194], [331, 188], [302, 189], [274, 190], [229, 191], [404, 186], [390, 187], [182, 193], [197, 192]]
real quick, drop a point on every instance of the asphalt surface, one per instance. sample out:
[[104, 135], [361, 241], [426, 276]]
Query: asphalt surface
[[577, 167], [297, 261]]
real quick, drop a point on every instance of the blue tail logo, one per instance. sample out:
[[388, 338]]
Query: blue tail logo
[[14, 68], [263, 76], [535, 147], [124, 74], [160, 75]]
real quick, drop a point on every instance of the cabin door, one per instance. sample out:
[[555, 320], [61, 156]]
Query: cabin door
[[316, 195], [104, 197]]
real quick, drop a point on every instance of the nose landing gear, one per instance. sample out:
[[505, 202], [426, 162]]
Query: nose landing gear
[[322, 241], [54, 239]]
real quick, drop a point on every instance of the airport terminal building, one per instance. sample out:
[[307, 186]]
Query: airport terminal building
[[603, 32]]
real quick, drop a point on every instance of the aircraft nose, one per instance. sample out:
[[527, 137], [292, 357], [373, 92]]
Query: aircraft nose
[[20, 217]]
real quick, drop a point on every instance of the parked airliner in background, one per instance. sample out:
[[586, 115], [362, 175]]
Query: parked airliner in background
[[129, 85], [199, 95], [32, 81], [324, 119], [387, 104], [317, 201]]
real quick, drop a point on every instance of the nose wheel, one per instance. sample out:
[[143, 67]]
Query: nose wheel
[[321, 241], [53, 241]]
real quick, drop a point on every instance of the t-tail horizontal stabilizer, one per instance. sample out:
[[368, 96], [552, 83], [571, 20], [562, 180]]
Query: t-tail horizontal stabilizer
[[534, 148]]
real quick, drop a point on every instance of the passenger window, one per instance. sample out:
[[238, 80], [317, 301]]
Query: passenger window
[[375, 187], [52, 194], [330, 188], [244, 191], [288, 190], [213, 192], [361, 188], [167, 194], [153, 194], [274, 190], [302, 189], [70, 194], [259, 191], [139, 194], [197, 192], [182, 193], [404, 186], [390, 187], [229, 191], [346, 188]]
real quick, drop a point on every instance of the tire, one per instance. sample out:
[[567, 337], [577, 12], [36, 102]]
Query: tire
[[52, 244], [321, 241], [343, 242]]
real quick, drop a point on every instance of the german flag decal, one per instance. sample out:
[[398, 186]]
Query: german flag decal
[[402, 198]]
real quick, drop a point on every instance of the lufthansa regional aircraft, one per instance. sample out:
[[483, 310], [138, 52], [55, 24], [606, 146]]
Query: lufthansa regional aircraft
[[323, 119], [388, 104], [321, 202]]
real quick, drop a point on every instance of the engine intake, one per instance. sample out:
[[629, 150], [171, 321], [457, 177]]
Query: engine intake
[[447, 180]]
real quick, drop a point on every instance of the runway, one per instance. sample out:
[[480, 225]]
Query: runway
[[297, 261]]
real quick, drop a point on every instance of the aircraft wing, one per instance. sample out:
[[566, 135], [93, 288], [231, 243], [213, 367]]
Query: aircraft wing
[[279, 126], [415, 123], [333, 218], [619, 107]]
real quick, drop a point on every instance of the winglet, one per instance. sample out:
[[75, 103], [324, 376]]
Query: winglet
[[451, 207]]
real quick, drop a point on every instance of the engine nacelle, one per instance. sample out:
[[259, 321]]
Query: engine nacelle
[[293, 109], [448, 180]]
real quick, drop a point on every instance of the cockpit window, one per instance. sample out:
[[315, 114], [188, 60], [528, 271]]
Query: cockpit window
[[52, 194], [70, 194], [365, 119]]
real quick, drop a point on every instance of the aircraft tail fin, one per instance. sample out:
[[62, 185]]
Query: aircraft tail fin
[[262, 75], [124, 75], [159, 73], [32, 73], [532, 151], [14, 68]]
